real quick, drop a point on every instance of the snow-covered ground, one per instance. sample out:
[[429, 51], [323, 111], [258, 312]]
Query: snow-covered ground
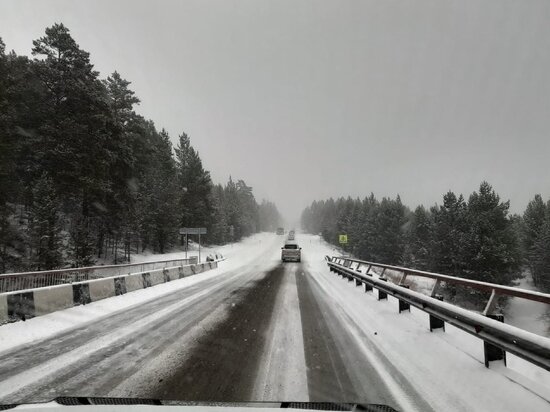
[[239, 254], [446, 367], [529, 315], [192, 251]]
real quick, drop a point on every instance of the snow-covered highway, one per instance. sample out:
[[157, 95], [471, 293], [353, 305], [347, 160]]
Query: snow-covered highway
[[255, 329]]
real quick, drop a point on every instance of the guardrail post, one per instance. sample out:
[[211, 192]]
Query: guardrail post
[[435, 287], [436, 323], [368, 287], [402, 304], [382, 294], [358, 282], [490, 351], [490, 304], [368, 270]]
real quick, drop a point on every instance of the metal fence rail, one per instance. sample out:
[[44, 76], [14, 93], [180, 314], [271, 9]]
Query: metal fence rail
[[493, 288], [10, 282], [498, 337]]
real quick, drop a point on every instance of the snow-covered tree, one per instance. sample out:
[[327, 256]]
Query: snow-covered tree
[[45, 228]]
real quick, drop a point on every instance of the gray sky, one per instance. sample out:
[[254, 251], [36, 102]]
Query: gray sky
[[310, 99]]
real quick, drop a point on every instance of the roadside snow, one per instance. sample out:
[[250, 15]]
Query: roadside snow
[[531, 316], [41, 327], [445, 367]]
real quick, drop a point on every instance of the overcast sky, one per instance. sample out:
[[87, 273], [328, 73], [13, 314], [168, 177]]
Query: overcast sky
[[310, 99]]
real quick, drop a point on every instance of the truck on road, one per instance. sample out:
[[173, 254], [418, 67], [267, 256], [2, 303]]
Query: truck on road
[[291, 252]]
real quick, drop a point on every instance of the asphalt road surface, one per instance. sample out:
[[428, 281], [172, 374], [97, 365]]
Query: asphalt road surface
[[246, 335]]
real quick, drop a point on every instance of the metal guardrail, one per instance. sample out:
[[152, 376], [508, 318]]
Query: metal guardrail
[[498, 337], [10, 282], [494, 288]]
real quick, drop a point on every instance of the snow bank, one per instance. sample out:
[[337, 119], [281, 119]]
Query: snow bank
[[19, 333], [445, 367]]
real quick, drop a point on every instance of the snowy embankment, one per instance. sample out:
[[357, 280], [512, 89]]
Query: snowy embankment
[[529, 315], [446, 367], [237, 255]]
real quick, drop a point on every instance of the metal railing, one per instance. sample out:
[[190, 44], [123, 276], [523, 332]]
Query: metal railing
[[495, 334], [493, 288], [10, 282]]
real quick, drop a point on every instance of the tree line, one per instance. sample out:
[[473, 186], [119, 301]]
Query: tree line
[[84, 177], [476, 238]]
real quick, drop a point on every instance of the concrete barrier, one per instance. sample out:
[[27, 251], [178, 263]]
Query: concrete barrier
[[50, 299], [187, 271], [174, 273], [40, 301], [3, 309], [157, 277], [102, 288], [134, 282]]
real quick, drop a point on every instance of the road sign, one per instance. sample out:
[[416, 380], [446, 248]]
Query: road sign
[[343, 239], [193, 231]]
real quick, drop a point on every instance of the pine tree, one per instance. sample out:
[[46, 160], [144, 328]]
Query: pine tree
[[45, 226], [540, 255], [534, 218], [219, 228], [194, 186], [75, 114], [389, 230], [491, 248], [82, 244], [419, 240], [248, 209], [157, 198], [450, 226], [367, 222]]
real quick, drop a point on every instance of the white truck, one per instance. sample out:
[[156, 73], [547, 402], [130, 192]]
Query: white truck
[[291, 252]]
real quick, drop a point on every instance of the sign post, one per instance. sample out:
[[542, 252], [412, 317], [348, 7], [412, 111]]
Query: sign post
[[343, 240], [193, 231]]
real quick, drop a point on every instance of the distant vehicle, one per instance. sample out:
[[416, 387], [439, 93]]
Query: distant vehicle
[[291, 252], [291, 235], [281, 231]]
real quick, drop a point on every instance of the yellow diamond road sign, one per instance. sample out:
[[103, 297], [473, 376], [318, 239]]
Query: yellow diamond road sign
[[343, 239]]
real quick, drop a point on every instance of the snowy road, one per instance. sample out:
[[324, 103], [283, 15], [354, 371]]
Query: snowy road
[[255, 331]]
